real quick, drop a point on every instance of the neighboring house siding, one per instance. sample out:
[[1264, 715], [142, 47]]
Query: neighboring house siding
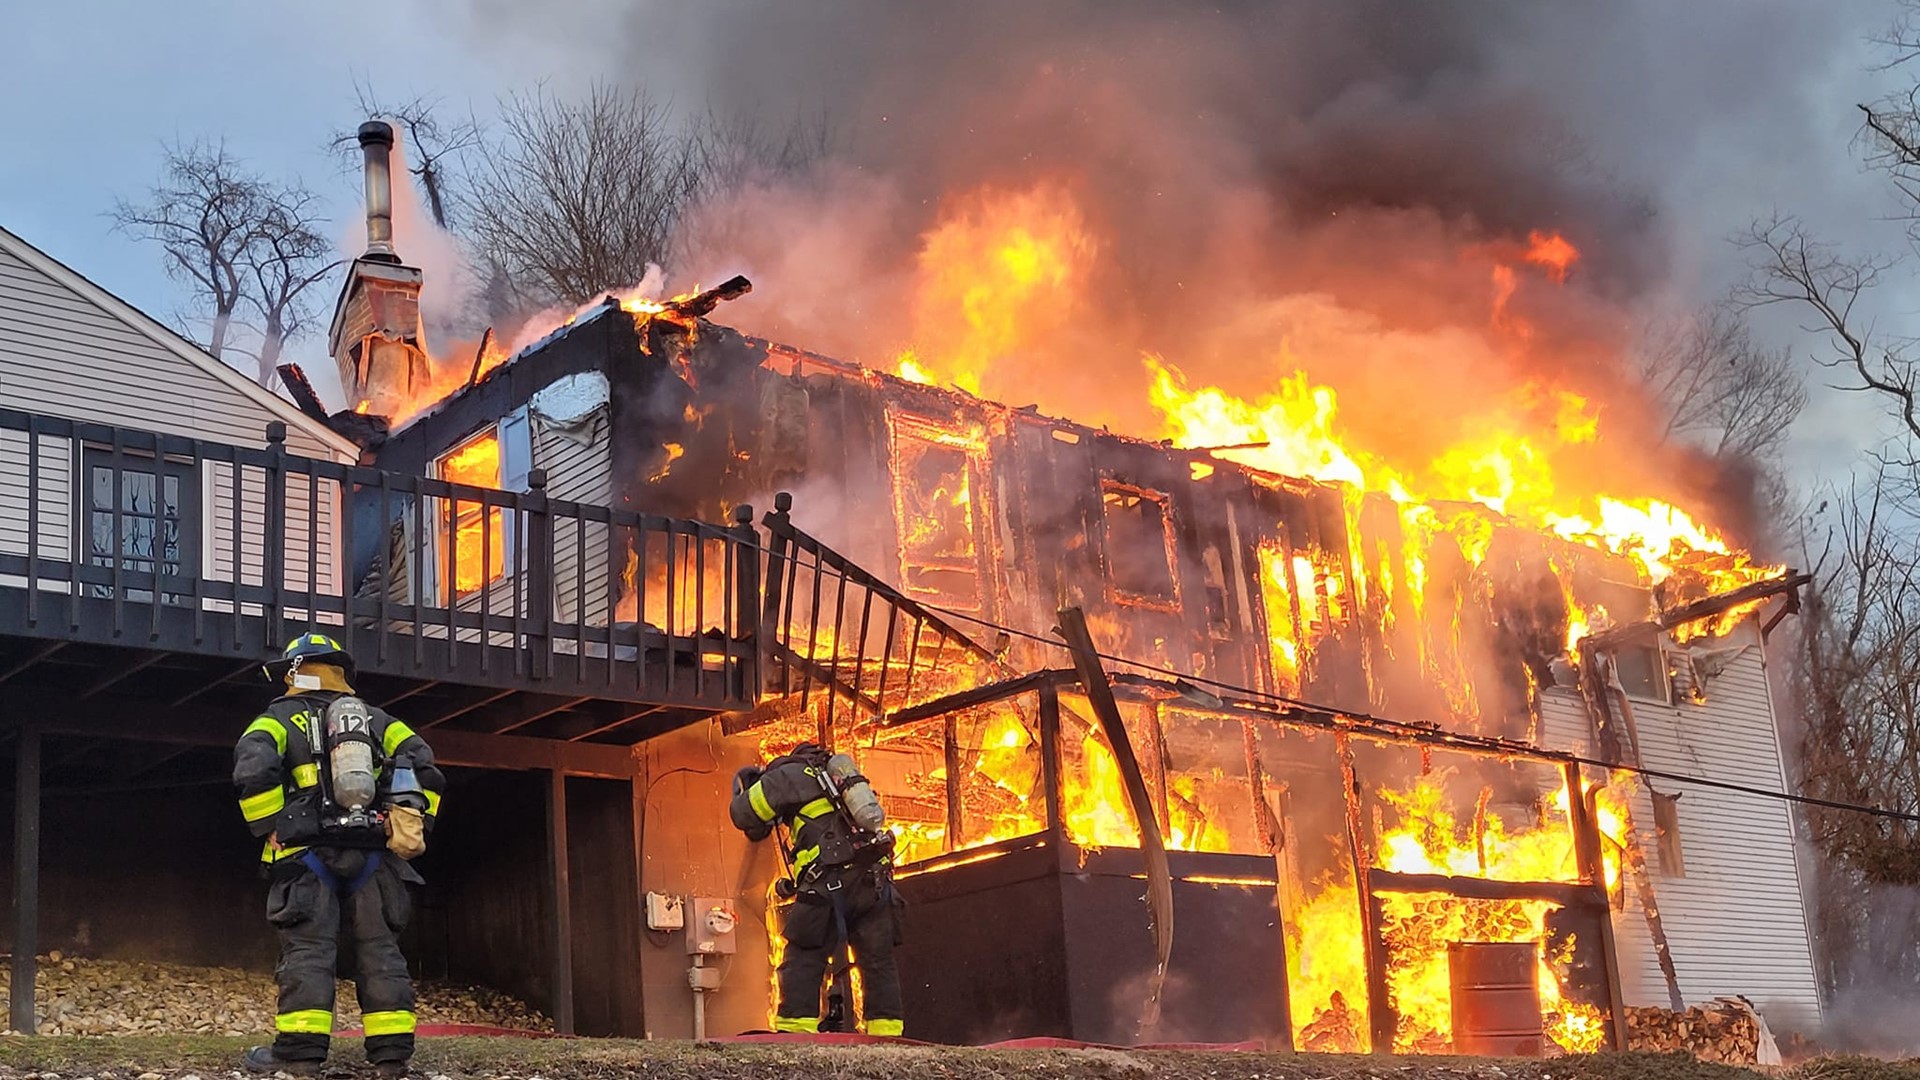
[[65, 353], [1736, 921], [579, 464]]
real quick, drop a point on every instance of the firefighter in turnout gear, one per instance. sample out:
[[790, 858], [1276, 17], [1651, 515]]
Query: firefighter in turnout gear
[[840, 883], [342, 795]]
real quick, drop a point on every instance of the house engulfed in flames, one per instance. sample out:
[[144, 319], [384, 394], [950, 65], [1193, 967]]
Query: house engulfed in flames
[[1363, 771], [1376, 733]]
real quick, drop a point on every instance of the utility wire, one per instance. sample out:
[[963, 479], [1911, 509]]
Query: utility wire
[[1432, 729], [1425, 729]]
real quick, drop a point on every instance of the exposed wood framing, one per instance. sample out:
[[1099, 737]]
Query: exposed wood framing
[[1360, 849], [1704, 608]]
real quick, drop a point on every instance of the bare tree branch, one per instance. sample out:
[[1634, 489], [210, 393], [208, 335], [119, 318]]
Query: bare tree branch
[[432, 144], [1721, 390], [289, 256], [576, 197], [241, 242], [204, 213], [1790, 267]]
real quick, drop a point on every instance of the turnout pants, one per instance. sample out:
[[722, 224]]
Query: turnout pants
[[313, 907], [811, 930]]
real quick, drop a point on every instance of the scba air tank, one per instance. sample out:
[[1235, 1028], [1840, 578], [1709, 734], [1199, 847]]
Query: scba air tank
[[855, 793], [350, 753]]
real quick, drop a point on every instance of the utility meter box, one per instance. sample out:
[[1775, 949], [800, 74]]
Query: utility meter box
[[712, 926], [665, 912]]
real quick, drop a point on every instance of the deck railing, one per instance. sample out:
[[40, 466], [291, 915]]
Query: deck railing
[[120, 536]]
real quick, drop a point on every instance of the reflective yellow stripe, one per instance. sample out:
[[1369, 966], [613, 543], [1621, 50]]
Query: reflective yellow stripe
[[269, 855], [397, 733], [264, 805], [808, 1024], [818, 808], [307, 775], [887, 1028], [804, 858], [272, 727], [388, 1023], [305, 1022], [433, 802], [757, 795]]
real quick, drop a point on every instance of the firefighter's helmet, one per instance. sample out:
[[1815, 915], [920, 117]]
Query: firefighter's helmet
[[310, 649]]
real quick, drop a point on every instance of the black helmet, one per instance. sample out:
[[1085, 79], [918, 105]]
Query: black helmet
[[310, 649]]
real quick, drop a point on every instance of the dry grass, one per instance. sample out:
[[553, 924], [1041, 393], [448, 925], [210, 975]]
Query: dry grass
[[606, 1059]]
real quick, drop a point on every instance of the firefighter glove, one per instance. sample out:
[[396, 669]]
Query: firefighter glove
[[406, 832]]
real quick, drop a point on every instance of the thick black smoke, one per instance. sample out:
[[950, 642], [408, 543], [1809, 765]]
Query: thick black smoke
[[1331, 175]]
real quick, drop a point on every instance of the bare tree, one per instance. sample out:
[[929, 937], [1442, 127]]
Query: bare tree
[[1721, 389], [1791, 267], [1861, 630], [577, 197], [204, 213], [242, 242], [287, 258], [432, 143]]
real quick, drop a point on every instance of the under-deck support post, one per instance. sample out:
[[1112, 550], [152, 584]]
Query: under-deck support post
[[26, 880], [560, 879]]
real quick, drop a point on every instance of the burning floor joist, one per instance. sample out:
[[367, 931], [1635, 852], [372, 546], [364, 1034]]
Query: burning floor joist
[[1390, 746]]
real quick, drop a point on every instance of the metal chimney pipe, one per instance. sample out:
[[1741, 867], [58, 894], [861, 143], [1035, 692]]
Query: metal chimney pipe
[[376, 141]]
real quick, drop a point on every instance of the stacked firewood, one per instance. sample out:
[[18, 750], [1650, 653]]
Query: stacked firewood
[[1725, 1031]]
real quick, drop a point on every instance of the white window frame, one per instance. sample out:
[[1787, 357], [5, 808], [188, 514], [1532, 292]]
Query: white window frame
[[514, 434]]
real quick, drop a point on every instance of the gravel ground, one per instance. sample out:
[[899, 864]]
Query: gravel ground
[[113, 997], [566, 1059]]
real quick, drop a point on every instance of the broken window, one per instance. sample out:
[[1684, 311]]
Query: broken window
[[1140, 552], [1642, 671], [936, 490], [1279, 584]]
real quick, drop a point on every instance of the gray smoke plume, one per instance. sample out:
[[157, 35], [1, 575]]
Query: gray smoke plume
[[1269, 186]]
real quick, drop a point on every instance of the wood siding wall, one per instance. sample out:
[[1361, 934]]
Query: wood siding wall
[[1736, 921]]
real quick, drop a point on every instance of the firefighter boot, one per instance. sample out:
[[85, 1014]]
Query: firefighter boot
[[260, 1059]]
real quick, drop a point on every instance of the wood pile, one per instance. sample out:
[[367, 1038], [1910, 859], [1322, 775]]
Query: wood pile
[[1725, 1031]]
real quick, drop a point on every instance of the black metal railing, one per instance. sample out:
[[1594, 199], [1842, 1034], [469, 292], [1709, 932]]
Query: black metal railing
[[834, 631], [128, 537]]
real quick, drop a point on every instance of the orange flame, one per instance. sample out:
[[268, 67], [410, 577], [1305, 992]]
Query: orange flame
[[998, 273], [479, 532], [1551, 250]]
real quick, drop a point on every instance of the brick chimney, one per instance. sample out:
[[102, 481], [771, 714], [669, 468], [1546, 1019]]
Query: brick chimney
[[376, 339]]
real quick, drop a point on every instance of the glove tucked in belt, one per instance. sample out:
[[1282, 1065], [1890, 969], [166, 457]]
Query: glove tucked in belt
[[406, 832]]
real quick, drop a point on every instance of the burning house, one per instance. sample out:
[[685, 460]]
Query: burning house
[[1391, 746]]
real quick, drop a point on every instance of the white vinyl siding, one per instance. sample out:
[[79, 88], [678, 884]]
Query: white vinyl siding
[[65, 353], [56, 497], [579, 465], [1736, 921]]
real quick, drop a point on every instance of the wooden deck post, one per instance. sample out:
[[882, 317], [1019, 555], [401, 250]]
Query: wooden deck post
[[26, 880], [562, 883]]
